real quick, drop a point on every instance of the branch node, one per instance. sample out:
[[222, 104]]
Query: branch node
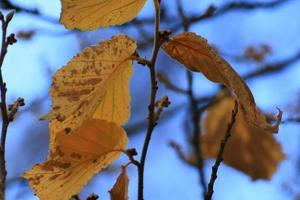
[[93, 197], [11, 39]]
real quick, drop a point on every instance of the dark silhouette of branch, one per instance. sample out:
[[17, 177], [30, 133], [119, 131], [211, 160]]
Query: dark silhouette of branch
[[7, 112], [181, 154], [219, 159], [159, 39], [196, 140], [210, 13], [7, 4], [271, 68], [196, 114], [234, 6], [166, 81]]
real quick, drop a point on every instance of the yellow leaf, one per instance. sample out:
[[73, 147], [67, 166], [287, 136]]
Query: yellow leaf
[[249, 149], [120, 189], [76, 158], [94, 84], [196, 54], [92, 14]]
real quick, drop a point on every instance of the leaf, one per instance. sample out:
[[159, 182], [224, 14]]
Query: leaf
[[76, 158], [120, 189], [93, 14], [249, 149], [94, 84], [194, 52]]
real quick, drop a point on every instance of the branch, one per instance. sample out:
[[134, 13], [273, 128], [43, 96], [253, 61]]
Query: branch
[[166, 81], [159, 38], [196, 114], [196, 140], [7, 113], [274, 67], [181, 154], [219, 159], [234, 6], [211, 13], [7, 4]]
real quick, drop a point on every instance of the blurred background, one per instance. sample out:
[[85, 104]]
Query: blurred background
[[259, 38]]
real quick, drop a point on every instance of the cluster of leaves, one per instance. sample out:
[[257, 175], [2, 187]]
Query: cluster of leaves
[[91, 102]]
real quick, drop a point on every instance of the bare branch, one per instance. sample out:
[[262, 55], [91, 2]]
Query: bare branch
[[219, 159], [9, 112]]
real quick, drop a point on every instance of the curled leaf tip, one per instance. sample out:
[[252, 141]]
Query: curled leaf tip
[[278, 121]]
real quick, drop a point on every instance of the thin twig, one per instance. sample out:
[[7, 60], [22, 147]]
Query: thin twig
[[151, 113], [196, 140], [7, 4], [9, 112], [213, 12], [166, 81], [181, 154], [196, 114], [219, 159]]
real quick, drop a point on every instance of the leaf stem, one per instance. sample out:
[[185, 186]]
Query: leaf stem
[[151, 107]]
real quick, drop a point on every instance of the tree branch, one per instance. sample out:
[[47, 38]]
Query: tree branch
[[152, 119], [9, 112], [196, 114], [7, 4], [234, 6], [219, 159]]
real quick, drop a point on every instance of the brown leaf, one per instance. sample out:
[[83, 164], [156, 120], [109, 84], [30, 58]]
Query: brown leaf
[[120, 189], [196, 54], [250, 149], [75, 158]]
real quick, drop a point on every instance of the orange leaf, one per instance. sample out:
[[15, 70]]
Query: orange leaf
[[75, 158], [120, 189], [249, 149], [196, 54]]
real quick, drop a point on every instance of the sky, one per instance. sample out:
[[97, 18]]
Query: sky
[[30, 64]]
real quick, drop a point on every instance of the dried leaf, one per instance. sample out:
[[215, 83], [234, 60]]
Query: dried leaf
[[94, 84], [250, 150], [196, 54], [92, 14], [120, 189], [76, 158]]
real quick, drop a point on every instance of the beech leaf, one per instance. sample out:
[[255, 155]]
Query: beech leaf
[[76, 158], [93, 14], [94, 84], [249, 149], [120, 189], [197, 55]]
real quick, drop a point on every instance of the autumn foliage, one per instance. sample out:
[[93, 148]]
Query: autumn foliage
[[91, 104]]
